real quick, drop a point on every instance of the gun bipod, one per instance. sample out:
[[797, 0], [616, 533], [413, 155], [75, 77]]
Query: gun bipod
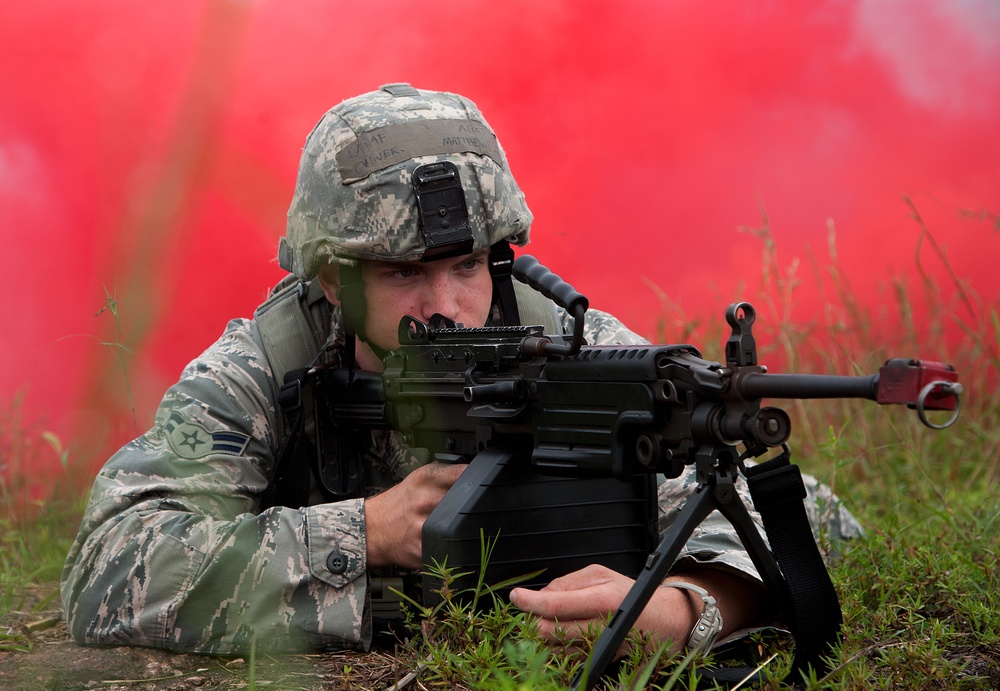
[[808, 602]]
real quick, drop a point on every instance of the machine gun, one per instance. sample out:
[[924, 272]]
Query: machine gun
[[564, 441]]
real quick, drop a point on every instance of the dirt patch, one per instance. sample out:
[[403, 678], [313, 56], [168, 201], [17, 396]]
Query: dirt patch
[[39, 655], [68, 667], [981, 662]]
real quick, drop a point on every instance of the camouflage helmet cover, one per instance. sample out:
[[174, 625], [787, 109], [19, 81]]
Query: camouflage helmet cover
[[354, 196]]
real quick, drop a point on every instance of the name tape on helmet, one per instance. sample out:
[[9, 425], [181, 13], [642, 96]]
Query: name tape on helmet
[[382, 147]]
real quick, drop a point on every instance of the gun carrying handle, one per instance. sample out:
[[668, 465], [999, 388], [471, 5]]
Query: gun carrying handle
[[539, 277], [530, 271]]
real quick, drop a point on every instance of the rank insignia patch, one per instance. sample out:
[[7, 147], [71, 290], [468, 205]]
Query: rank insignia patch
[[191, 440]]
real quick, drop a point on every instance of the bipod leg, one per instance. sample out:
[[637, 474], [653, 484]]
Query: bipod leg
[[695, 510]]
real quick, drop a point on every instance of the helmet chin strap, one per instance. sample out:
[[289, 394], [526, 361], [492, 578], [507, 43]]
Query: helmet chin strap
[[351, 295], [501, 261]]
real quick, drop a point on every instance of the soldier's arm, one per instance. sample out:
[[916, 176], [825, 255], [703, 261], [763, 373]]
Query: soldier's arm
[[173, 550]]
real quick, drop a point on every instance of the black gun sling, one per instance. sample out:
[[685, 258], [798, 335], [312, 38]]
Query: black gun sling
[[812, 606], [286, 327]]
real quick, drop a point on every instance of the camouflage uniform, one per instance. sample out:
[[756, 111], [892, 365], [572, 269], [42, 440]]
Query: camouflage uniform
[[176, 549]]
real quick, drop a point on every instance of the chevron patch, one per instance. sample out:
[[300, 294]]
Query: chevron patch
[[191, 440]]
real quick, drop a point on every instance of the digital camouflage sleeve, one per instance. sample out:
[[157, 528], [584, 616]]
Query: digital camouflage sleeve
[[175, 552]]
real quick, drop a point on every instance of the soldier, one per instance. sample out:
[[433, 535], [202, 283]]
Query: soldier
[[199, 538]]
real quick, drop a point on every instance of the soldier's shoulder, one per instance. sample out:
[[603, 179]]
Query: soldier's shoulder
[[238, 344], [602, 328]]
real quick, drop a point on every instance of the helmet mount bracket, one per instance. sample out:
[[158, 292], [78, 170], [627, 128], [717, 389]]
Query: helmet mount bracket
[[444, 215]]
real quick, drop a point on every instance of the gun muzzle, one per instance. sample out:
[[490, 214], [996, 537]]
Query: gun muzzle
[[921, 385]]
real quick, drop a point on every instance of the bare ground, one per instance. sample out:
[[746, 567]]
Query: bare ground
[[38, 654]]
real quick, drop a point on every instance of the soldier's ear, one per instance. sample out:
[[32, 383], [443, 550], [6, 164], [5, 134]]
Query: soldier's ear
[[329, 280]]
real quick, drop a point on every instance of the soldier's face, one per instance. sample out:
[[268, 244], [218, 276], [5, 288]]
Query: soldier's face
[[459, 288]]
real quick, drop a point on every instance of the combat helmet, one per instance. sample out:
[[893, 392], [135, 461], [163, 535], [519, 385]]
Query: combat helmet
[[356, 197], [403, 174]]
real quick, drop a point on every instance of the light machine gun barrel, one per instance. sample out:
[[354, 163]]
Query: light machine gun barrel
[[583, 410]]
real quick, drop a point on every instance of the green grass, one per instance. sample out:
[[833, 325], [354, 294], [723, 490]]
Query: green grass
[[37, 527], [31, 558], [919, 592]]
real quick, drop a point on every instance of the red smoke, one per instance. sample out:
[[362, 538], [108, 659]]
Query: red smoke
[[150, 149]]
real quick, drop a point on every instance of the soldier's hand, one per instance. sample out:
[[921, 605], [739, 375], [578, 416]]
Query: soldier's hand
[[569, 605], [394, 519]]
